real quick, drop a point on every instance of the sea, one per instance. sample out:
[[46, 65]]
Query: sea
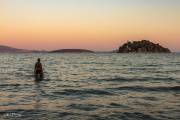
[[90, 86]]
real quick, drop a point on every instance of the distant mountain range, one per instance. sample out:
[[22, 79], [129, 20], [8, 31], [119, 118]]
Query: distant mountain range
[[7, 49], [143, 46]]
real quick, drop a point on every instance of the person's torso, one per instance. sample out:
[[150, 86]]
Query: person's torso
[[38, 66]]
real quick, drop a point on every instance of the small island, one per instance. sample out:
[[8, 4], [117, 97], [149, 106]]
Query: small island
[[143, 46], [72, 51]]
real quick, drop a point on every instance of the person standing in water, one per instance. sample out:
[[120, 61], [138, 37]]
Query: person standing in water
[[38, 69]]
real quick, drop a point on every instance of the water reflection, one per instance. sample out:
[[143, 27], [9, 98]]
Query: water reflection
[[38, 78], [97, 86], [38, 90]]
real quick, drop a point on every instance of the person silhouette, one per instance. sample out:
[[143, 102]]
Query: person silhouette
[[38, 69]]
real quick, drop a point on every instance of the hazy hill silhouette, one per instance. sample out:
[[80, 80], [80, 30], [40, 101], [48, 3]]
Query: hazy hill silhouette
[[72, 51], [7, 49]]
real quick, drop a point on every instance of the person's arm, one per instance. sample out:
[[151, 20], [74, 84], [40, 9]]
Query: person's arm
[[41, 68], [35, 68]]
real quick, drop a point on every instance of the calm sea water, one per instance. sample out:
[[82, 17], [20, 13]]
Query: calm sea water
[[91, 87]]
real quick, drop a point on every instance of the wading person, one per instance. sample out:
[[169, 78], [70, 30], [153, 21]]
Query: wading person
[[38, 69]]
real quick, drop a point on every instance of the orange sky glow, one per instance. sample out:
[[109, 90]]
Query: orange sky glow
[[100, 25]]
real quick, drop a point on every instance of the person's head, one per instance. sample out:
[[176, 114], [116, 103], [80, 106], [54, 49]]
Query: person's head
[[39, 60]]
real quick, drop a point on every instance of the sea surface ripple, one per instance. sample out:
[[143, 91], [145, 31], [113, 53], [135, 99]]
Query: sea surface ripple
[[90, 87]]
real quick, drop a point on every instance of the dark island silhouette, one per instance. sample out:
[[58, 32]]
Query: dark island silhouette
[[143, 46], [72, 51]]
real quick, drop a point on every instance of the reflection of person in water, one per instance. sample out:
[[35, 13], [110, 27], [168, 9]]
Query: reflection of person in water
[[38, 70], [37, 97]]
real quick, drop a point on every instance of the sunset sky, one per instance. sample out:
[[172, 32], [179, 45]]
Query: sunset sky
[[100, 25]]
